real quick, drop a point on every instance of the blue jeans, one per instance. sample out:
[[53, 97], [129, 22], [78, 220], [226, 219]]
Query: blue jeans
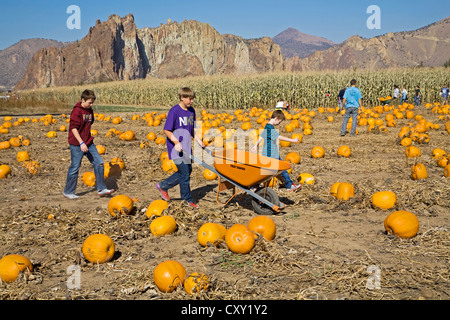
[[286, 178], [76, 155], [353, 113], [417, 101], [181, 177]]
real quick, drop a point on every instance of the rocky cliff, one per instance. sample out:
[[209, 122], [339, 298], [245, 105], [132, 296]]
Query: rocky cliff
[[428, 46], [117, 50]]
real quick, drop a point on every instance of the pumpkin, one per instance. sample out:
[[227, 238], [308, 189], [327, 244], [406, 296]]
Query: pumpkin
[[32, 166], [212, 233], [111, 170], [209, 175], [156, 208], [151, 136], [168, 275], [169, 166], [129, 135], [239, 239], [5, 145], [196, 283], [419, 171], [442, 161], [412, 152], [402, 223], [88, 179], [15, 142], [120, 204], [317, 152], [446, 171], [52, 134], [163, 225], [98, 248], [334, 187], [285, 144], [23, 156], [5, 170], [306, 178], [406, 142], [384, 199], [101, 149], [62, 128], [26, 142], [164, 155], [119, 162], [293, 157], [264, 226], [344, 151], [12, 265], [345, 191], [437, 153], [160, 141]]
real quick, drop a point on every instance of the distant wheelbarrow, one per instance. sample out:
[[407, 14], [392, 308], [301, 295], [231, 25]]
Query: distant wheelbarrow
[[245, 172]]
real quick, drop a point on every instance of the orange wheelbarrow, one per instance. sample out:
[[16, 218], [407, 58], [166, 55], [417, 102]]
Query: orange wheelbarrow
[[249, 173]]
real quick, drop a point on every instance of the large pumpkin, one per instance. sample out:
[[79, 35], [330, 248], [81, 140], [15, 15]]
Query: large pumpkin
[[12, 265], [5, 170], [264, 226], [23, 156], [317, 152], [402, 223], [344, 151], [120, 204], [293, 157], [88, 179], [168, 275], [239, 239], [419, 171], [98, 248], [212, 233], [345, 191], [163, 225], [384, 199], [306, 178], [412, 152]]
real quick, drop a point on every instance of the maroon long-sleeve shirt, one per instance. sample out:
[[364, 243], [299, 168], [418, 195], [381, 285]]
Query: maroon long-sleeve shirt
[[81, 119]]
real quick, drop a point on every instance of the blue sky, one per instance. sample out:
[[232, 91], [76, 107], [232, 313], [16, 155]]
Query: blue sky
[[335, 20]]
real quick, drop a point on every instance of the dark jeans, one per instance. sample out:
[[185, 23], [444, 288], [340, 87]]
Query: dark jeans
[[181, 177], [286, 178]]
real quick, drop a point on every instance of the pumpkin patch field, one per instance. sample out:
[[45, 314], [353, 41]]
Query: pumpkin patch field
[[371, 221]]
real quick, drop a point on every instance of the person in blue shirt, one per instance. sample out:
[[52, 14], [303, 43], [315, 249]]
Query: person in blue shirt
[[352, 102], [444, 93], [270, 149]]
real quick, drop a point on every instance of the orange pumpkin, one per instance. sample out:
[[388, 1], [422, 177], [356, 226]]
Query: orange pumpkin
[[196, 283], [88, 179], [169, 166], [212, 233], [345, 191], [129, 135], [412, 152], [12, 265], [163, 225], [156, 208], [101, 149], [402, 223], [344, 151], [32, 166], [15, 142], [151, 136], [5, 145], [384, 199], [264, 226], [168, 275], [209, 175], [406, 142], [306, 178], [23, 156], [419, 171], [293, 157], [239, 239], [447, 171], [5, 170], [334, 188], [98, 248], [120, 204], [160, 141], [317, 152], [437, 153], [119, 162]]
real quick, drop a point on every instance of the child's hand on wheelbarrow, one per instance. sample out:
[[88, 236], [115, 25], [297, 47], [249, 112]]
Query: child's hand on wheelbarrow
[[178, 147]]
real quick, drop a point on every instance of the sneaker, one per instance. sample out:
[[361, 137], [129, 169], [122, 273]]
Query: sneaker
[[164, 194], [70, 196], [192, 205], [294, 187], [342, 134], [105, 192]]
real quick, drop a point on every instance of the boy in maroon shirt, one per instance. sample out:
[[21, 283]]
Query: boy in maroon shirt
[[81, 144]]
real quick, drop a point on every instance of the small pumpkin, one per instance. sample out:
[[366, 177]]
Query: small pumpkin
[[196, 283], [293, 157], [437, 153], [120, 204], [419, 171], [263, 225], [160, 140], [23, 156], [212, 233], [318, 152], [345, 191], [129, 135], [285, 144], [119, 162], [169, 166], [52, 134], [333, 189], [447, 171], [111, 170], [15, 142], [412, 152], [406, 142], [12, 265], [306, 178], [209, 175], [344, 151], [98, 248], [156, 208], [5, 145], [163, 225], [168, 275], [151, 136], [32, 166], [239, 239], [403, 224], [384, 199], [88, 179], [5, 170], [101, 149]]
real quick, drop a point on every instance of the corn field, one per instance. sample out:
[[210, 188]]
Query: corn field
[[301, 90]]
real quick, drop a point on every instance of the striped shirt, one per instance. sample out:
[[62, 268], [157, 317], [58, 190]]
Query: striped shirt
[[270, 147]]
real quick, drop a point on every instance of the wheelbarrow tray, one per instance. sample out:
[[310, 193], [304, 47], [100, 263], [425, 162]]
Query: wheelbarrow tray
[[247, 169]]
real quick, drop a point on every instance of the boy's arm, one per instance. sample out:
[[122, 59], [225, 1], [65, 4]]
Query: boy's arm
[[283, 138], [171, 137], [77, 136], [253, 149]]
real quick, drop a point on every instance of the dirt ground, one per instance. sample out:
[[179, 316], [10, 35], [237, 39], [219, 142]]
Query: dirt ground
[[324, 248]]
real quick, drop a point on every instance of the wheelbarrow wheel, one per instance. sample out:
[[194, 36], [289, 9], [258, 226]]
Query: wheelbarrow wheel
[[268, 194]]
